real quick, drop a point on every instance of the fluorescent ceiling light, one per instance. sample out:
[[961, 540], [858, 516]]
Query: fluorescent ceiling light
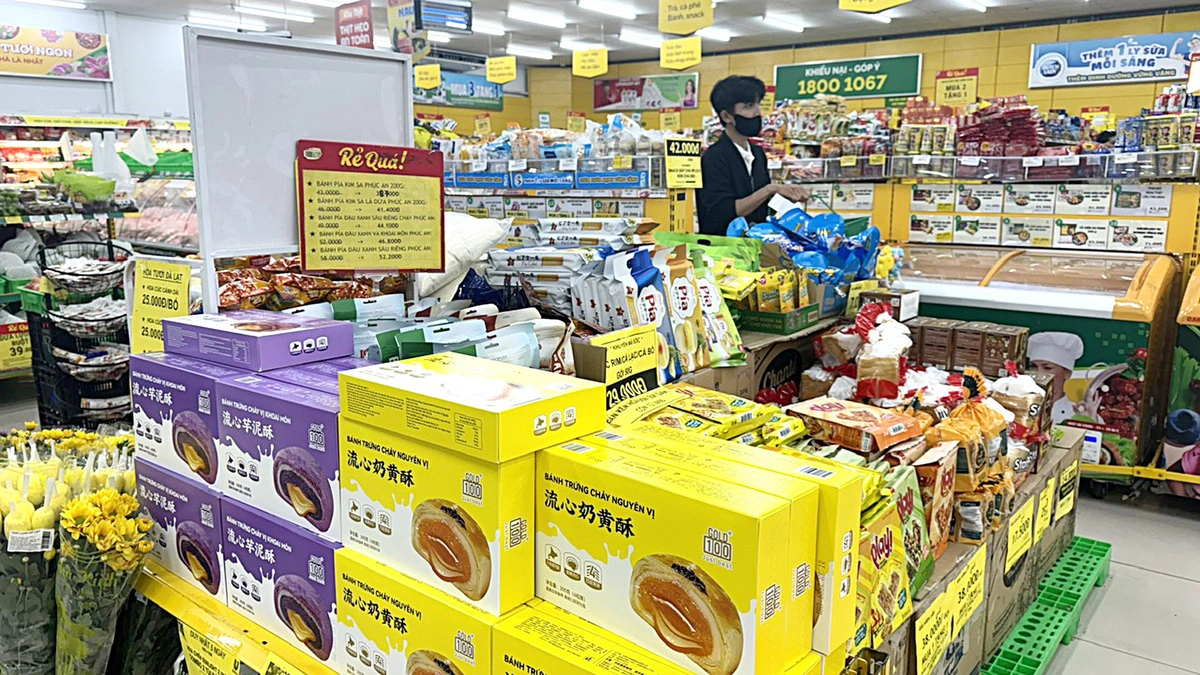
[[233, 23], [537, 16], [784, 23], [488, 28], [973, 4], [644, 39], [881, 18], [610, 8], [440, 37], [578, 46], [714, 33], [56, 3], [273, 14], [530, 52], [322, 3]]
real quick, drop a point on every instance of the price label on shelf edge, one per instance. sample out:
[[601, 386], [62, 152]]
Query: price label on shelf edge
[[161, 292]]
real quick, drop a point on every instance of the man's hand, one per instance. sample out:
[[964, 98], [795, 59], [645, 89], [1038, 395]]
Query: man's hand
[[794, 193]]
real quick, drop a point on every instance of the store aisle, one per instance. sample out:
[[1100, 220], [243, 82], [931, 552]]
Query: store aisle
[[18, 402], [1143, 620]]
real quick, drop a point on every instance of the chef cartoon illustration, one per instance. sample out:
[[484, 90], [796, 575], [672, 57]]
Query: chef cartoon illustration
[[1055, 353]]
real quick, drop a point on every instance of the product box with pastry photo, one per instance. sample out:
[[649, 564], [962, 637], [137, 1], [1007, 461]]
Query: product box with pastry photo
[[187, 530], [487, 409], [256, 339], [322, 375], [279, 451], [175, 414], [802, 545], [840, 501], [461, 525], [860, 427], [389, 624], [692, 569], [281, 578], [884, 599]]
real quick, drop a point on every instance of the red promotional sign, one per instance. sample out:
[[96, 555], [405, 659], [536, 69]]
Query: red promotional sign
[[353, 25], [369, 207]]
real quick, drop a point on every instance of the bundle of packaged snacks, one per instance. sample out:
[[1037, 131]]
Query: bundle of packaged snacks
[[1004, 494], [815, 382], [733, 415], [884, 596], [991, 425], [918, 552], [972, 517], [684, 308], [724, 341], [935, 474], [971, 466], [860, 427], [1021, 395], [881, 360], [837, 346]]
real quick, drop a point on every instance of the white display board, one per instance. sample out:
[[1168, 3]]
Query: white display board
[[251, 99]]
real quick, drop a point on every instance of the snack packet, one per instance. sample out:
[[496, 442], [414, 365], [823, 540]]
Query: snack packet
[[971, 523], [918, 553], [724, 341], [972, 464], [767, 292], [935, 474], [734, 415]]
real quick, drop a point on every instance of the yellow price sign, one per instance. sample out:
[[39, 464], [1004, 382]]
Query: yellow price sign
[[589, 62], [630, 362], [501, 69], [478, 212], [957, 87], [204, 655], [968, 588], [1045, 510], [849, 160], [1068, 485], [483, 124], [16, 353], [277, 666], [870, 6], [683, 164], [622, 163], [162, 292], [878, 160], [933, 630], [684, 17], [767, 105], [576, 121], [428, 77], [1020, 534], [680, 54], [671, 119]]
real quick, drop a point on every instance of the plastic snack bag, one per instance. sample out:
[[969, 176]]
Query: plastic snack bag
[[724, 341]]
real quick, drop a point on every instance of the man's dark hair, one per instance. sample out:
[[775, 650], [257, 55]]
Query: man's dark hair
[[736, 89]]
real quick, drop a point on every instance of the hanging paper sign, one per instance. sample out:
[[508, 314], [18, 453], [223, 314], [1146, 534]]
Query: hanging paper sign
[[589, 62], [369, 207], [15, 351], [680, 54], [767, 105], [870, 6], [402, 27], [162, 292], [684, 17], [576, 121], [683, 163], [671, 119], [502, 69], [353, 26], [957, 87], [428, 77]]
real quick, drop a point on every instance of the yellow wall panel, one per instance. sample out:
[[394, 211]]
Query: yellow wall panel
[[926, 45], [828, 53], [978, 40], [1015, 55], [970, 58], [1103, 29], [1023, 37]]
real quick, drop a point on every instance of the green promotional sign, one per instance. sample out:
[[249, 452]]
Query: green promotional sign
[[852, 78]]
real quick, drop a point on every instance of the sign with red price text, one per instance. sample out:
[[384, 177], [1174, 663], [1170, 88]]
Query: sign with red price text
[[369, 207], [15, 351], [353, 25], [957, 87]]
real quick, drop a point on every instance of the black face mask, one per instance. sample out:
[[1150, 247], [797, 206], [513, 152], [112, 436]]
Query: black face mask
[[750, 127]]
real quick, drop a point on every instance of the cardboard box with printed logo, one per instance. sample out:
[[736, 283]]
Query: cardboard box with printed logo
[[1012, 584]]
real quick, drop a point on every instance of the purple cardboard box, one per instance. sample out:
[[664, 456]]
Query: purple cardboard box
[[281, 578], [279, 451], [187, 530], [175, 412], [258, 340], [322, 375]]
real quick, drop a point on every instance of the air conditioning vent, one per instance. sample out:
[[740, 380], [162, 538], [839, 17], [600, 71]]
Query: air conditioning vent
[[456, 61]]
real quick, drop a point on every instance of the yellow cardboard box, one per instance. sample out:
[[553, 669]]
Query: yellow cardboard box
[[802, 494], [533, 640], [692, 569], [486, 409], [840, 503], [389, 624], [809, 665], [459, 524]]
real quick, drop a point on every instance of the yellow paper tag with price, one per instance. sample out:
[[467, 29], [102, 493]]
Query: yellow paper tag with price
[[1020, 534], [622, 163], [969, 586], [630, 361], [162, 292], [933, 632], [1067, 484], [204, 655], [1045, 509], [15, 351], [849, 160]]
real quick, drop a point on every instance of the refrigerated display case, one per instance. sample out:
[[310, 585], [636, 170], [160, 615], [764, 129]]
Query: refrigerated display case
[[1102, 324]]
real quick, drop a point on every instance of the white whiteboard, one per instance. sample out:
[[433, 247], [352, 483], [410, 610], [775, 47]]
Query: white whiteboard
[[251, 99]]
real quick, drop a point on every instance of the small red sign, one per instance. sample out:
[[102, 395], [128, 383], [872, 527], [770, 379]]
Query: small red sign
[[353, 25]]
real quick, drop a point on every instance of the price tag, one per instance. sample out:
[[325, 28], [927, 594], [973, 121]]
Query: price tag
[[1068, 160], [1029, 162], [277, 666], [622, 163], [15, 350], [933, 632], [969, 587], [478, 213], [1020, 534], [162, 292], [630, 364], [1068, 484], [968, 161], [1125, 158], [517, 164], [37, 219], [568, 164], [1045, 510], [849, 160], [478, 165], [878, 160], [683, 163], [922, 160], [773, 164], [204, 655], [483, 124], [576, 121], [57, 217], [32, 541]]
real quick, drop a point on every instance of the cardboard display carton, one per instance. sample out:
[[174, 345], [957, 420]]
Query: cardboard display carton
[[1012, 584], [188, 531], [256, 339]]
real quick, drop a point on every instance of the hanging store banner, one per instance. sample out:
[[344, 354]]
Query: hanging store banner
[[684, 17], [652, 92], [870, 6], [958, 87], [1118, 60], [40, 52], [873, 77], [589, 63], [402, 29], [501, 69], [680, 54], [462, 91], [353, 26], [427, 77]]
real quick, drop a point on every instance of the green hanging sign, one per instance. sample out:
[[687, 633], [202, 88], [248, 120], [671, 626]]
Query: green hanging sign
[[872, 77]]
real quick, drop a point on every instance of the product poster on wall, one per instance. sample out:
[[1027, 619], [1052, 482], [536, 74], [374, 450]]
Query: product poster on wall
[[1142, 200], [932, 198], [1130, 58], [931, 229], [41, 52], [1146, 236], [646, 93], [1081, 234], [402, 29], [977, 230], [462, 91], [1021, 231], [1083, 200], [981, 198], [847, 197], [1029, 199]]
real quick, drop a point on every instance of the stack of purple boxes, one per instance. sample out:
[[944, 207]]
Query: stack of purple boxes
[[237, 462]]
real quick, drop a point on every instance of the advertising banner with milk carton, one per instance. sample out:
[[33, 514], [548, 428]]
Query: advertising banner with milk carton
[[1117, 60]]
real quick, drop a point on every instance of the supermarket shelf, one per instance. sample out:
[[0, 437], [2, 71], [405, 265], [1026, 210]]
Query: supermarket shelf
[[251, 643], [13, 374], [6, 298], [63, 217], [33, 166], [28, 144]]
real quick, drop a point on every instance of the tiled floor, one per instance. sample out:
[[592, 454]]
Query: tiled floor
[[1144, 621]]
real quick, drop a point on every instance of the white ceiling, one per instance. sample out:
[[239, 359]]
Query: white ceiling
[[741, 18]]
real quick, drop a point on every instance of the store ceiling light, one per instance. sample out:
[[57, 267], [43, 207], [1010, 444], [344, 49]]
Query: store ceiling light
[[714, 33], [273, 14], [65, 4], [881, 18], [488, 28], [578, 46], [440, 37], [610, 8], [233, 23], [322, 3], [530, 52], [783, 23], [639, 38], [974, 4], [537, 16]]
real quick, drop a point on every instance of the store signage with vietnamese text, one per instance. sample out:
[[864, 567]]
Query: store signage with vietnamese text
[[353, 26], [870, 6], [402, 27], [873, 77], [684, 17], [680, 54], [589, 62], [652, 92], [41, 52], [462, 91], [501, 69], [1116, 60], [957, 87]]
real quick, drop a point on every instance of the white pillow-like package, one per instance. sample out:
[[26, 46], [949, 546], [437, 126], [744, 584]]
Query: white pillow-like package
[[467, 240]]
